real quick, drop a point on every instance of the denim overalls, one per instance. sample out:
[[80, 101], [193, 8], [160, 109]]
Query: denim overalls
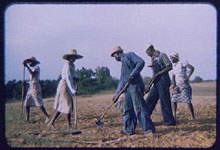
[[135, 107], [160, 90]]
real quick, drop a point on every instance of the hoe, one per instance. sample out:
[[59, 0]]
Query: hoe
[[99, 122]]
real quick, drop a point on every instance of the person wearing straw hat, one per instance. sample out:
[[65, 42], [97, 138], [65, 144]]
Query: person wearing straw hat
[[181, 89], [34, 94], [66, 89], [135, 107], [160, 65]]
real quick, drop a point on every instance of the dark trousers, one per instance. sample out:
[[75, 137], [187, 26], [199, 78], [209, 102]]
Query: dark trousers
[[160, 90]]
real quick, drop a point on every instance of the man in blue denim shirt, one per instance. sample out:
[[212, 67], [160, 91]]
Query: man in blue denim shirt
[[135, 107], [161, 65]]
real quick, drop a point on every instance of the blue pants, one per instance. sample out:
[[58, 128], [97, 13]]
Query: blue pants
[[160, 90], [135, 109]]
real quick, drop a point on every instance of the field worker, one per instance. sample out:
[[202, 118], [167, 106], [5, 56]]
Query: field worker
[[182, 91], [34, 94], [66, 89], [160, 65], [134, 106]]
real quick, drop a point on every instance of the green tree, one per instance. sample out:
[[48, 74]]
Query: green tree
[[86, 83], [197, 79], [103, 77]]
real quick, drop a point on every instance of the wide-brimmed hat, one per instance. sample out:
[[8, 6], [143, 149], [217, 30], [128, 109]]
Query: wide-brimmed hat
[[32, 59], [72, 54], [174, 55], [116, 49]]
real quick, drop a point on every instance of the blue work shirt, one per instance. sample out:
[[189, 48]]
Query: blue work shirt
[[132, 65]]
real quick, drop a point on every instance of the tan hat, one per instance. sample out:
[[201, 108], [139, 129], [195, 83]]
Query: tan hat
[[72, 54], [116, 49], [174, 55], [32, 59]]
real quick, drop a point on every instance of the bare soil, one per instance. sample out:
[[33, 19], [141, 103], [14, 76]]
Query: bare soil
[[188, 133]]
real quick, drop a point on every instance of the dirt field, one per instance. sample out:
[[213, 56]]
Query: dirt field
[[200, 133]]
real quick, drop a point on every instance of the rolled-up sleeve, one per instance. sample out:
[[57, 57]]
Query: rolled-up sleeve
[[139, 64], [166, 60], [120, 85]]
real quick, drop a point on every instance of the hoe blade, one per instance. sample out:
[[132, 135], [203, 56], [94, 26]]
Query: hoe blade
[[99, 123], [76, 132]]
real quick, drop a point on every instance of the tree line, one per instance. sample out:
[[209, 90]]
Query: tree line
[[89, 82]]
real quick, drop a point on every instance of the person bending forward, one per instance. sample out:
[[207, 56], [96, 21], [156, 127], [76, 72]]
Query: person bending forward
[[135, 107]]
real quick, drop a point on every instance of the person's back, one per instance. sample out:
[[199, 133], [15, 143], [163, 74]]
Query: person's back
[[132, 65]]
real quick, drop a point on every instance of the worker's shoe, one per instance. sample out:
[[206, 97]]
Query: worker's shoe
[[125, 133], [148, 132], [169, 124]]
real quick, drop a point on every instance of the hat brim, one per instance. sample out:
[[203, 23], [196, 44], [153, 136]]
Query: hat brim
[[68, 56], [174, 56], [112, 54], [32, 60]]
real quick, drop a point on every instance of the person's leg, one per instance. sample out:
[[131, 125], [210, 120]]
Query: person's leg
[[129, 117], [42, 108], [190, 106], [27, 113], [141, 110], [152, 99], [53, 119], [164, 94], [174, 108], [69, 120]]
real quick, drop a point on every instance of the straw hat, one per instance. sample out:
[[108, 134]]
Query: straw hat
[[32, 59], [116, 49], [174, 55], [72, 54]]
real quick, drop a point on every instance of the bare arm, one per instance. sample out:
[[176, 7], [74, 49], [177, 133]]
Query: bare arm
[[174, 80], [29, 69], [191, 68]]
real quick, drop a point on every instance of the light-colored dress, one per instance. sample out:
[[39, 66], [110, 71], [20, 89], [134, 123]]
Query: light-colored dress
[[183, 94], [34, 94], [66, 89]]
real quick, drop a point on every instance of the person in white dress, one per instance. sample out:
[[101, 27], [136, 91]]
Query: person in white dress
[[34, 94], [181, 90], [66, 89]]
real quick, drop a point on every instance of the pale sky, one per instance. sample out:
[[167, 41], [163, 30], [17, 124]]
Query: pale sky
[[48, 31]]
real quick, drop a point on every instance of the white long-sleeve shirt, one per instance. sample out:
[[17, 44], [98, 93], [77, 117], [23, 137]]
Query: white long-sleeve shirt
[[68, 73]]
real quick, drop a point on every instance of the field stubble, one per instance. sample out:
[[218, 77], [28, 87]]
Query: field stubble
[[200, 132]]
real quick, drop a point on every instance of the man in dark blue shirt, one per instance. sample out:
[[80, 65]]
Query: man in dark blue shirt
[[135, 107]]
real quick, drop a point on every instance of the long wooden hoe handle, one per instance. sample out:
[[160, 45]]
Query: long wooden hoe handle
[[116, 99], [23, 88]]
